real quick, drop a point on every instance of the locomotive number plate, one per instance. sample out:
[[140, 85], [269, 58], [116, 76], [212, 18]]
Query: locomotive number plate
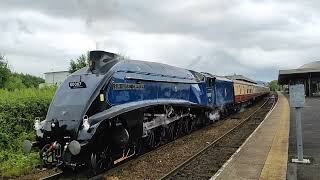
[[75, 85], [127, 86]]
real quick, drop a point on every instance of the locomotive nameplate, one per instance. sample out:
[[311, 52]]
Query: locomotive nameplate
[[127, 86], [75, 85]]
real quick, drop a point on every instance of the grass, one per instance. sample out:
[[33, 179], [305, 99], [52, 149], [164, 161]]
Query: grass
[[18, 109]]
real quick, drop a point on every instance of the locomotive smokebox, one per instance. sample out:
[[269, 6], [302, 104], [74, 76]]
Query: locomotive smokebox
[[120, 136], [100, 60]]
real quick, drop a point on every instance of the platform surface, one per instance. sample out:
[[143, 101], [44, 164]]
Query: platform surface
[[310, 118], [265, 153]]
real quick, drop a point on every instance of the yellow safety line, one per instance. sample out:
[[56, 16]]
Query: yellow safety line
[[276, 164]]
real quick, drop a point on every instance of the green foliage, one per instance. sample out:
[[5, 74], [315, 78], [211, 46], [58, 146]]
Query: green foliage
[[18, 163], [20, 81], [18, 109], [4, 71], [20, 104], [274, 86], [79, 63], [28, 80], [14, 83]]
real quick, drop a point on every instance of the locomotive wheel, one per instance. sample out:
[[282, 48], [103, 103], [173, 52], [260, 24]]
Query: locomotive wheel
[[150, 140], [163, 135], [185, 128], [192, 125], [139, 147], [170, 132], [100, 162], [179, 129]]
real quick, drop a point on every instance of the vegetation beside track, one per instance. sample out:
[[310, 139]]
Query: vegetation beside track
[[18, 109]]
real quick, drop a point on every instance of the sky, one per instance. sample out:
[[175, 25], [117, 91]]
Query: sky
[[254, 38]]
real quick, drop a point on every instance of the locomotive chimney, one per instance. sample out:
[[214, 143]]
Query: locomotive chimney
[[99, 61]]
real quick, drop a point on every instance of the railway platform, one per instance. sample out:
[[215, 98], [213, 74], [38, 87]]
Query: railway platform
[[310, 119], [264, 155]]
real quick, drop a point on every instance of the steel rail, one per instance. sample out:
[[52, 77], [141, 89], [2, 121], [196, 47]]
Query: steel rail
[[53, 176]]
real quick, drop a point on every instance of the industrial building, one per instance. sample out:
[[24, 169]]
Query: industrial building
[[54, 78], [308, 74]]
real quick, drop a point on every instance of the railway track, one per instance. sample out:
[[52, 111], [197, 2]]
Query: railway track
[[115, 170], [208, 161], [53, 176]]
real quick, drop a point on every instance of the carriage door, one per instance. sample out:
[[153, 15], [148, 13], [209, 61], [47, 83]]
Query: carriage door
[[210, 91]]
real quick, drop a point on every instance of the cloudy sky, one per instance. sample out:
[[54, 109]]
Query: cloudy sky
[[255, 38]]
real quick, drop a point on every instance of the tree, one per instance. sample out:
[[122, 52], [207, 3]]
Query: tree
[[11, 80], [4, 71], [79, 63], [274, 86], [28, 80], [13, 83]]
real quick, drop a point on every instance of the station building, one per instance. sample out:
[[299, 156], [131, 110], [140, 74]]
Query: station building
[[308, 74]]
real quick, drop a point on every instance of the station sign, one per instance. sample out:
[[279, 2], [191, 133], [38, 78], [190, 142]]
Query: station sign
[[297, 95]]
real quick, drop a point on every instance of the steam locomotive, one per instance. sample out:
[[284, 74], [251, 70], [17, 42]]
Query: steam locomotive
[[117, 108]]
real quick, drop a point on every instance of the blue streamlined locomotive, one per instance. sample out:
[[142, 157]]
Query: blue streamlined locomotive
[[116, 108]]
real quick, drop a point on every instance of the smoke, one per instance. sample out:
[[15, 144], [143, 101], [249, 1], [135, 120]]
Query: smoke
[[194, 62], [214, 116]]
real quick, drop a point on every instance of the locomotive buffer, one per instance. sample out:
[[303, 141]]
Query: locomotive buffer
[[297, 100]]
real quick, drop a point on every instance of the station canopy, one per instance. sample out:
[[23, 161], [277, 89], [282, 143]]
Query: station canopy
[[305, 71]]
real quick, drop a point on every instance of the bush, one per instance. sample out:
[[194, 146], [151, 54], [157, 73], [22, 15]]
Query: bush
[[17, 164], [4, 71], [14, 83], [11, 81], [18, 109]]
